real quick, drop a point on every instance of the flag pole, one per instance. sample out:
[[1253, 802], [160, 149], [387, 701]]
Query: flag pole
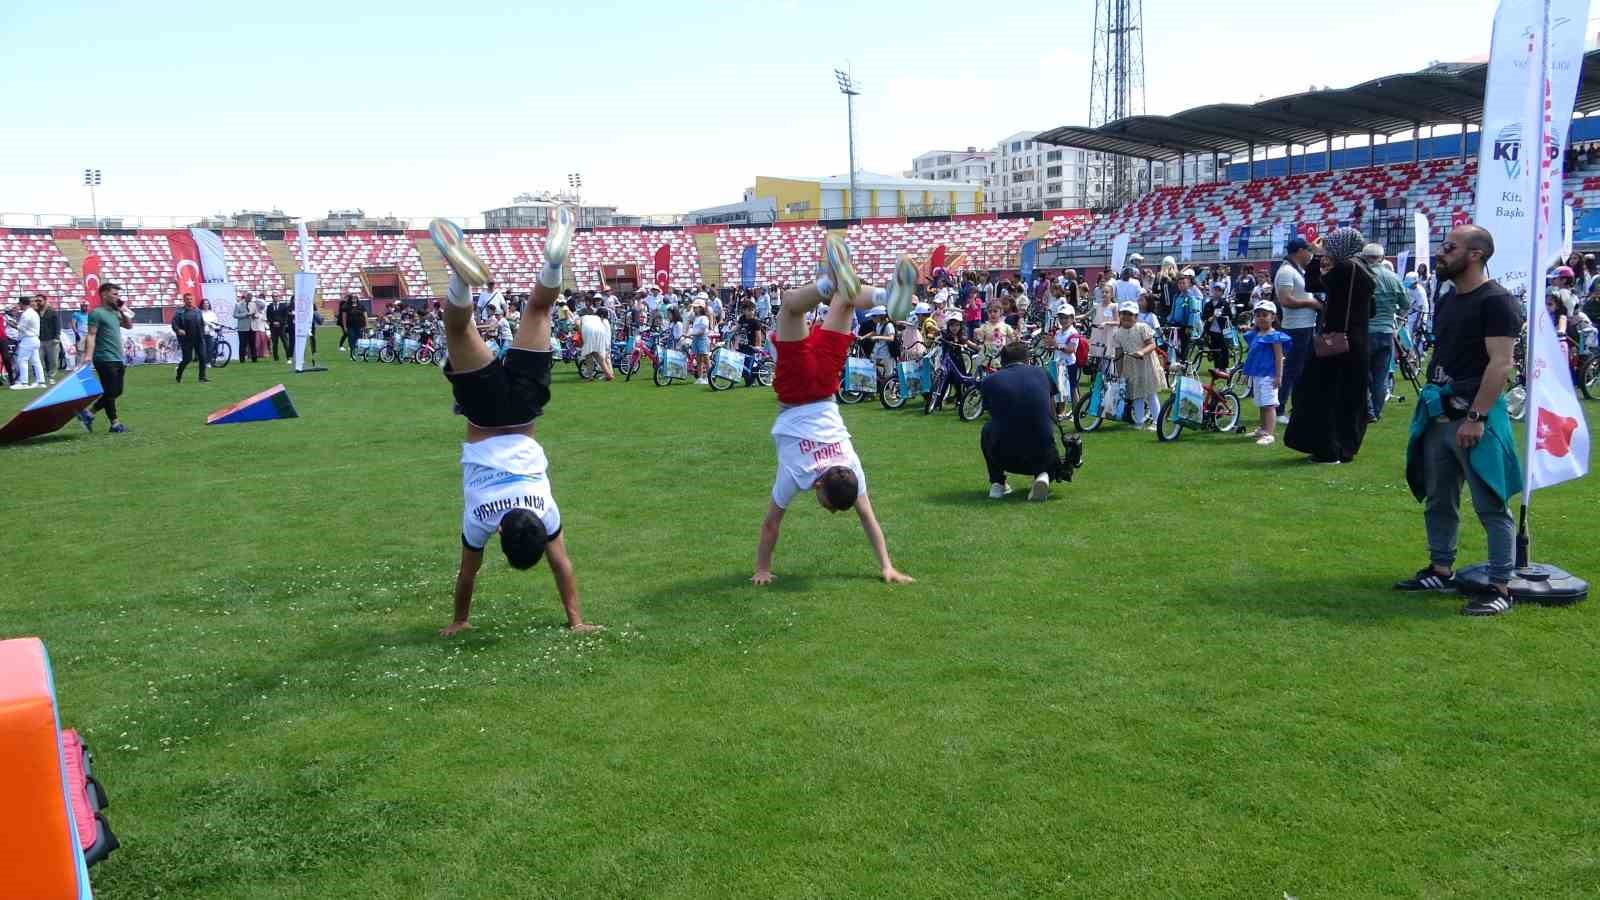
[[1536, 277]]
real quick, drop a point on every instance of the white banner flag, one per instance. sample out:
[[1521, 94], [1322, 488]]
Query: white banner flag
[[1401, 261], [1558, 437], [1422, 238], [1280, 240], [1186, 245], [1119, 252], [1508, 158], [1566, 232], [305, 291], [305, 251], [213, 259], [1224, 235]]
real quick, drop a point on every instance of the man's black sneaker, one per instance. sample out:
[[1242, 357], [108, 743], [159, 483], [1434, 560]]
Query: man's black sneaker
[[1492, 603], [1427, 579]]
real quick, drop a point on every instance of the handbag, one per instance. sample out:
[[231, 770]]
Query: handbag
[[1337, 343]]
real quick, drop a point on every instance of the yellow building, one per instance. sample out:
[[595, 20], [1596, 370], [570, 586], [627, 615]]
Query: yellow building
[[879, 196]]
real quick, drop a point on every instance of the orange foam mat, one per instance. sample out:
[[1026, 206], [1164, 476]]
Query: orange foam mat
[[39, 851]]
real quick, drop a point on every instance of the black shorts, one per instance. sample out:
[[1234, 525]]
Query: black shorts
[[506, 393]]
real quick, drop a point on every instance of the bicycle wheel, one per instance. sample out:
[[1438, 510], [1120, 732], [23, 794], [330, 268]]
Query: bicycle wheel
[[387, 355], [1517, 401], [1082, 419], [222, 355], [765, 370], [969, 406], [890, 395], [661, 379], [1225, 415], [934, 391], [629, 365], [1168, 428], [1589, 377], [424, 356], [1408, 369], [588, 369]]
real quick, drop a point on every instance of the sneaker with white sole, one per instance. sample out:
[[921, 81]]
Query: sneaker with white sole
[[1427, 579], [1266, 440], [1490, 603], [903, 289], [558, 240], [452, 245], [996, 491], [836, 264], [1041, 487]]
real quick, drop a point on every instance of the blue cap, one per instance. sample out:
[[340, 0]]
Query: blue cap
[[1295, 245]]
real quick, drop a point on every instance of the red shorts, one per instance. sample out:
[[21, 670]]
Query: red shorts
[[810, 370]]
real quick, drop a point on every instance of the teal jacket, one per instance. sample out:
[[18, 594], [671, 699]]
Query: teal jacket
[[1389, 298], [1494, 458]]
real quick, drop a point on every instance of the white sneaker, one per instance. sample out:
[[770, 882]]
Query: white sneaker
[[1041, 487], [996, 491], [701, 381], [1266, 440], [19, 387], [1283, 420], [1150, 427]]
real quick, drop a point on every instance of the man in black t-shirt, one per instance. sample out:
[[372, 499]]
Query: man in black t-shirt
[[1475, 329], [752, 336]]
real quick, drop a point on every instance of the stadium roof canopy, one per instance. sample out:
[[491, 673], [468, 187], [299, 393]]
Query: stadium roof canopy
[[1385, 106]]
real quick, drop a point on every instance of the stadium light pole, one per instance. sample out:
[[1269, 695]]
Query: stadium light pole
[[91, 180], [850, 90], [575, 182]]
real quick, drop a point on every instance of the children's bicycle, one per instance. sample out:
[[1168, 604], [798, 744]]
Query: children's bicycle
[[1216, 410], [894, 392], [1105, 399], [962, 388], [759, 368]]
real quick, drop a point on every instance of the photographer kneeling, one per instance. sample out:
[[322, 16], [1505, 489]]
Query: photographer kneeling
[[1020, 435]]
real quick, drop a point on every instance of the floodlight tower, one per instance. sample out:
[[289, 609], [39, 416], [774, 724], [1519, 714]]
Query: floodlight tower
[[1116, 77], [851, 90], [91, 180]]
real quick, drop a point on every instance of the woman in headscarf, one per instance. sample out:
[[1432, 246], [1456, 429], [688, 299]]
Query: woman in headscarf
[[1330, 399]]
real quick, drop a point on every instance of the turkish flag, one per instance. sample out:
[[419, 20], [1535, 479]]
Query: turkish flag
[[91, 280], [1459, 218], [185, 265], [1308, 230], [664, 267], [937, 259]]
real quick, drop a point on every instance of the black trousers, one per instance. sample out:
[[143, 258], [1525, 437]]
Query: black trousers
[[1221, 353], [280, 336], [110, 374], [344, 335], [352, 334], [192, 351], [247, 346], [1001, 457]]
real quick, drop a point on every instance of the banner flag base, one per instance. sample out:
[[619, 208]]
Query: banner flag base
[[1540, 583], [311, 369]]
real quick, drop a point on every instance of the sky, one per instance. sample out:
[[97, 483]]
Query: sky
[[450, 108]]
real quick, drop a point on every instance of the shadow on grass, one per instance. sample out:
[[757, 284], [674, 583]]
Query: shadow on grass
[[979, 496], [1349, 602]]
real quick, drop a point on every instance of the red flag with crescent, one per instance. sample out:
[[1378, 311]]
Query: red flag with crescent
[[1459, 218], [185, 265], [664, 267], [91, 280], [936, 259]]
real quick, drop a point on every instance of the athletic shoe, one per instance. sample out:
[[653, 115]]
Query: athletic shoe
[[1427, 579], [1325, 462], [86, 419], [204, 379], [1041, 487], [119, 428], [1150, 427], [903, 289], [558, 240], [838, 267], [19, 387], [1492, 603], [1283, 420], [996, 491], [1266, 440]]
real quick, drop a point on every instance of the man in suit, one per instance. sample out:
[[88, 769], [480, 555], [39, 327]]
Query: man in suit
[[279, 313]]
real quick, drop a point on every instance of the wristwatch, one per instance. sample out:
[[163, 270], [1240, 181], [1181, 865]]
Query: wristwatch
[[1474, 416]]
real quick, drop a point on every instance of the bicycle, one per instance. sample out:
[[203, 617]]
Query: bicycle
[[221, 350], [894, 392], [758, 364], [665, 375], [968, 400], [1090, 412], [1218, 410]]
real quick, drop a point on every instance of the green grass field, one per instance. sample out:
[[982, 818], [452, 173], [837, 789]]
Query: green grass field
[[1184, 676]]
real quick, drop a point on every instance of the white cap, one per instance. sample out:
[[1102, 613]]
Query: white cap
[[878, 311], [1264, 304], [921, 309], [953, 315], [1128, 306]]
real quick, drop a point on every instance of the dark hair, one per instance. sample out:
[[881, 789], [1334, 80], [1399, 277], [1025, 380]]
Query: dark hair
[[839, 487], [1476, 237], [108, 287], [523, 538], [1013, 353]]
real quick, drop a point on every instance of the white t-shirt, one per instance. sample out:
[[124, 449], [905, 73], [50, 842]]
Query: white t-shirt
[[1128, 290], [811, 439], [700, 327], [501, 474], [1289, 282], [28, 323]]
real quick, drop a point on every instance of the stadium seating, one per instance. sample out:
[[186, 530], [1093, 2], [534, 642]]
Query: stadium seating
[[339, 258], [514, 258], [32, 263], [140, 263], [785, 254], [987, 243], [618, 246], [250, 267]]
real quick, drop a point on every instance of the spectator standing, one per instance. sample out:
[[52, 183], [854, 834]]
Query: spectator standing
[[278, 325], [1390, 300], [213, 330], [244, 318], [28, 347], [355, 322], [49, 336], [190, 327], [1333, 387], [1460, 432], [102, 344], [258, 319], [1299, 319]]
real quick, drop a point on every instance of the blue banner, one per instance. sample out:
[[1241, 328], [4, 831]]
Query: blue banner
[[1243, 246], [1030, 255], [1587, 227], [747, 267]]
